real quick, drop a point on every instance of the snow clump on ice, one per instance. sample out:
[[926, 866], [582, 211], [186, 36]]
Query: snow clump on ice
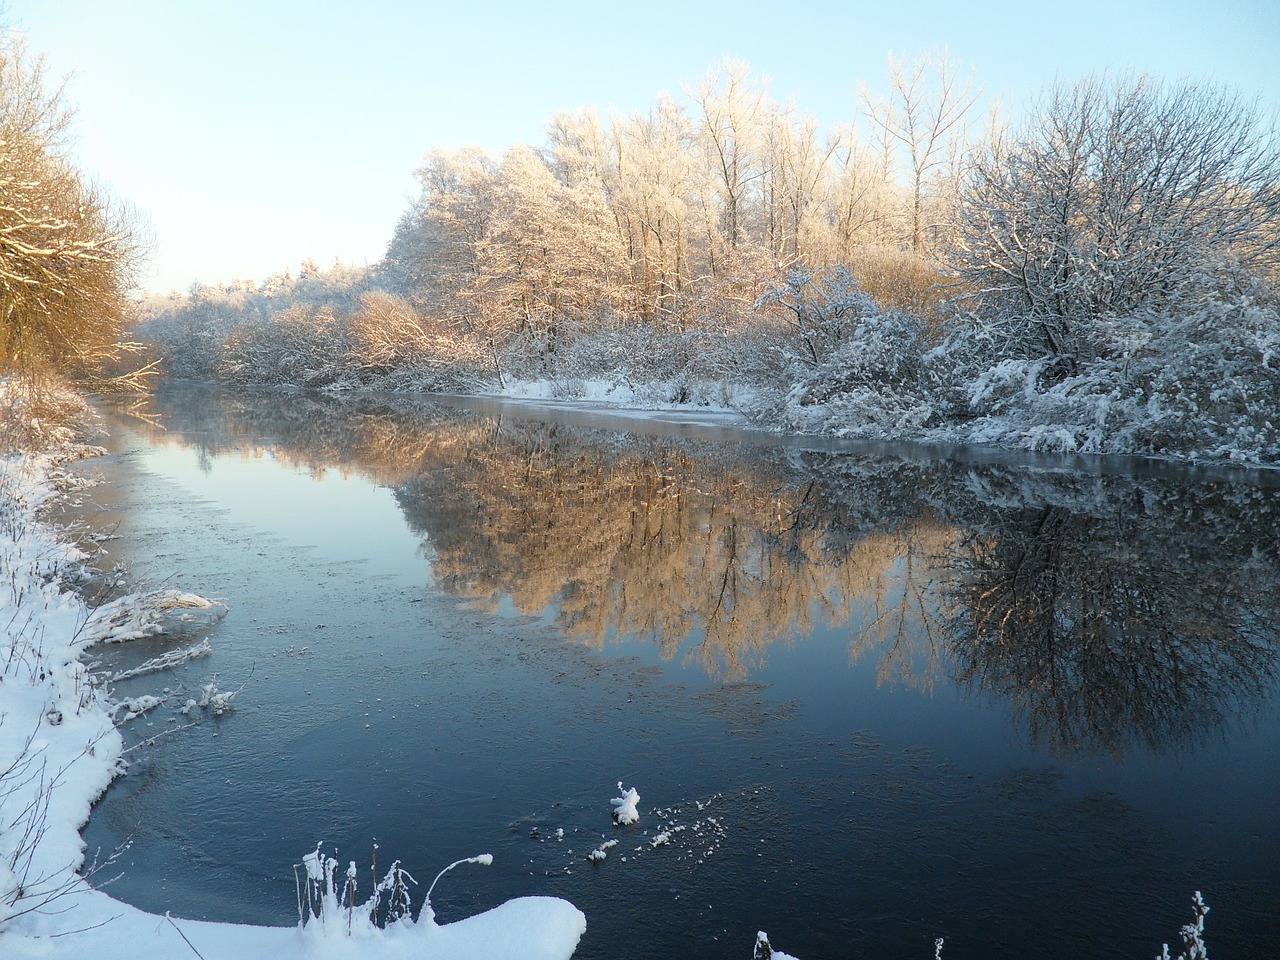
[[602, 851], [764, 950], [624, 807]]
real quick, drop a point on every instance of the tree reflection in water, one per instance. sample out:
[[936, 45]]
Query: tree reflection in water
[[1105, 628], [1110, 611]]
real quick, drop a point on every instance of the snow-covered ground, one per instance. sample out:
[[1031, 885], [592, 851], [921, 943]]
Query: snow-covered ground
[[647, 402], [59, 749]]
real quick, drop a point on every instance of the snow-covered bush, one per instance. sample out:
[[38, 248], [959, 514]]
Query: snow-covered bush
[[386, 333], [393, 345], [1119, 256], [185, 338], [299, 346], [1202, 381], [39, 414], [187, 332], [854, 368], [642, 363], [327, 907], [820, 310], [1209, 383]]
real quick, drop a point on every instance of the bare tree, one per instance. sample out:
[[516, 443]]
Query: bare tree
[[1121, 195], [732, 108], [927, 109]]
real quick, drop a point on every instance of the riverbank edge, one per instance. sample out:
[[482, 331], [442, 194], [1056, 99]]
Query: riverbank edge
[[935, 444], [754, 410]]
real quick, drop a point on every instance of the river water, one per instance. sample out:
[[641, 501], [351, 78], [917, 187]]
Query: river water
[[869, 696]]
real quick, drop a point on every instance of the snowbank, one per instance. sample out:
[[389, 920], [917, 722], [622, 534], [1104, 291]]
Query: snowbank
[[59, 749]]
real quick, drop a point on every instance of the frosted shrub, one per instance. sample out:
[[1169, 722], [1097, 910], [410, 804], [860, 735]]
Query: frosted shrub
[[386, 332], [186, 338], [392, 895], [647, 363], [395, 346], [188, 332], [1210, 385], [821, 309], [299, 346], [625, 357], [1203, 381], [854, 368], [1021, 403], [39, 414], [326, 909]]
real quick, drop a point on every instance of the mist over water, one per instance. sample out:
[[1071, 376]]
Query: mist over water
[[873, 696]]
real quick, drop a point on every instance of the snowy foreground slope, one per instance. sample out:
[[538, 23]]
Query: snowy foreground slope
[[59, 749]]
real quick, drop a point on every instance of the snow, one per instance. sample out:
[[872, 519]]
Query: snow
[[529, 928], [764, 949], [602, 851], [166, 661], [594, 397], [59, 750], [624, 807]]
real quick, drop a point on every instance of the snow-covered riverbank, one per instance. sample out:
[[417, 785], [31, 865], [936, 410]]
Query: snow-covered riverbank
[[59, 750]]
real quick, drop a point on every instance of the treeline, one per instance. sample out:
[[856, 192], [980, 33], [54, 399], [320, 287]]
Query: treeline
[[1102, 279]]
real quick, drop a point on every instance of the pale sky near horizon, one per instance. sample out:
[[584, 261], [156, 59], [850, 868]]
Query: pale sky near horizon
[[253, 135]]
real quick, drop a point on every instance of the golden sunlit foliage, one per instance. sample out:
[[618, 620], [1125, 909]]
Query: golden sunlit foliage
[[65, 251]]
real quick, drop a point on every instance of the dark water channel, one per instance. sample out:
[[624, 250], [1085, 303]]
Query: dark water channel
[[874, 696]]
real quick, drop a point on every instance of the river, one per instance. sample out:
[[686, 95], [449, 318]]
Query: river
[[869, 695]]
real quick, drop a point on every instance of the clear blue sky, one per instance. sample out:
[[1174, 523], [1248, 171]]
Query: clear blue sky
[[252, 135]]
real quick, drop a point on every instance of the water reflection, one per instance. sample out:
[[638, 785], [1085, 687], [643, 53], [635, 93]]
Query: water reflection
[[707, 553], [1102, 629], [1111, 612]]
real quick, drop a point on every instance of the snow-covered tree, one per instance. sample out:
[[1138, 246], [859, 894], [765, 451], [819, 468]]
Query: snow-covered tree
[[732, 108], [552, 254], [65, 252], [924, 119], [654, 203], [796, 180], [435, 252], [1120, 256], [1120, 195]]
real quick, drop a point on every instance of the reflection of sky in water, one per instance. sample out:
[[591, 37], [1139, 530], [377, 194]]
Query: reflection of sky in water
[[339, 516], [446, 726]]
